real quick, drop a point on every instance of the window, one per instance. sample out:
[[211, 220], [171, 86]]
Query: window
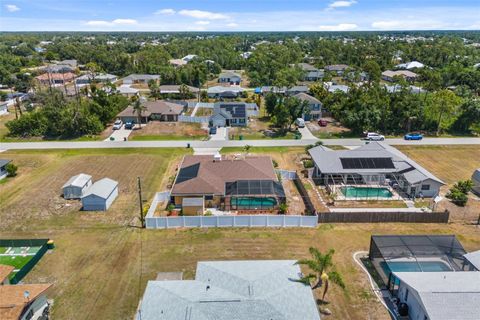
[[406, 295], [425, 187], [208, 197]]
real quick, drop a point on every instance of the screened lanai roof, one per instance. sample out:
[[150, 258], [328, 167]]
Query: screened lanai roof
[[389, 247], [254, 187]]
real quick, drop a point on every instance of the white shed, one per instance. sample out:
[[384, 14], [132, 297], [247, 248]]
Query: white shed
[[476, 181], [76, 186], [100, 195]]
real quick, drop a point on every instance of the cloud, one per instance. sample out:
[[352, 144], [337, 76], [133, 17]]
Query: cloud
[[202, 22], [232, 25], [11, 8], [342, 4], [166, 12], [116, 22], [199, 14], [411, 24], [338, 27]]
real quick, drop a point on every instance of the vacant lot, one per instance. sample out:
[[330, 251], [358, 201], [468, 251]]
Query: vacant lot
[[333, 129], [257, 129], [156, 130]]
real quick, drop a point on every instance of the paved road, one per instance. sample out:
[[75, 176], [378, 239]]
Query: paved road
[[220, 144]]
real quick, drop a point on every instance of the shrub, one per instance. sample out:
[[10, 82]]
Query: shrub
[[458, 193], [208, 213], [308, 164], [464, 186], [275, 163], [283, 207], [11, 170], [170, 207]]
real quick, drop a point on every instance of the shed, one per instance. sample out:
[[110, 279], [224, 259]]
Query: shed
[[3, 167], [100, 195], [476, 182], [193, 206], [76, 186]]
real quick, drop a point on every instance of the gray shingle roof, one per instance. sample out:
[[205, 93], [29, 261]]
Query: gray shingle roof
[[78, 181], [446, 295], [238, 290], [4, 162], [102, 188], [303, 96], [329, 161]]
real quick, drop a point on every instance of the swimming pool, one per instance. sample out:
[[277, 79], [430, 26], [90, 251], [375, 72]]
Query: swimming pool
[[366, 192], [253, 203], [407, 266]]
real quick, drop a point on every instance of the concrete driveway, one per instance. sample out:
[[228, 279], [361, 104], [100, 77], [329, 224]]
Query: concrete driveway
[[120, 134], [306, 134], [221, 135]]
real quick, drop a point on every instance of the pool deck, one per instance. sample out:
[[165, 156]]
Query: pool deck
[[379, 209], [341, 196]]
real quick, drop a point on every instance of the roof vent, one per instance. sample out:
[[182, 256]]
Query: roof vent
[[208, 287], [217, 157]]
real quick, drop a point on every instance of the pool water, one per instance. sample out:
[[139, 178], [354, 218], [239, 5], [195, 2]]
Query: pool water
[[253, 203], [367, 192], [405, 266]]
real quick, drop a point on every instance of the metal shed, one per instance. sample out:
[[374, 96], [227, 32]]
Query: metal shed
[[76, 186], [476, 181], [100, 195]]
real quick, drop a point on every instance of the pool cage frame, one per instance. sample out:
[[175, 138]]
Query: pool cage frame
[[255, 190], [414, 249]]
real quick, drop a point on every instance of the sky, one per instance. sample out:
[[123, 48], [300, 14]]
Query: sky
[[238, 15]]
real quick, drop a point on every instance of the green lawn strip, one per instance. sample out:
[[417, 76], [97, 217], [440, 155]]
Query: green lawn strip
[[167, 137], [106, 151], [16, 261]]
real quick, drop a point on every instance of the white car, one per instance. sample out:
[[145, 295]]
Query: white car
[[373, 136], [117, 125], [300, 123]]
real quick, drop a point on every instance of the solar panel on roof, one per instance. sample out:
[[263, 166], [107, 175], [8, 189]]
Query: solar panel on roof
[[188, 173], [367, 163]]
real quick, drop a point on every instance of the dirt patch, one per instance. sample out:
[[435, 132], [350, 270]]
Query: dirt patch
[[294, 199], [334, 129]]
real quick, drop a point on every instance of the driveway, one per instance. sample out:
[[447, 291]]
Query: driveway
[[306, 134], [119, 135], [221, 135]]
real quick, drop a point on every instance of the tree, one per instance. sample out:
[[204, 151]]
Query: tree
[[296, 108], [184, 91], [319, 265], [154, 89], [139, 109], [281, 117], [11, 170], [271, 100], [444, 102], [372, 68]]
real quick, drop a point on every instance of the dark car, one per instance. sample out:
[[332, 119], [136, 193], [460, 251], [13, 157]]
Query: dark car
[[322, 123], [213, 130], [129, 125], [413, 136]]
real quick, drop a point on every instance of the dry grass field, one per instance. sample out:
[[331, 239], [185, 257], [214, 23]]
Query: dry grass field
[[156, 130], [101, 263]]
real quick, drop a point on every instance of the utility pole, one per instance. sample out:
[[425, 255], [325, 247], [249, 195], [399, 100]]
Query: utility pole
[[142, 218]]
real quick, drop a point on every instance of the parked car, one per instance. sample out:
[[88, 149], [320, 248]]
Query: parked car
[[129, 125], [373, 136], [213, 130], [322, 123], [117, 125], [413, 136], [300, 123]]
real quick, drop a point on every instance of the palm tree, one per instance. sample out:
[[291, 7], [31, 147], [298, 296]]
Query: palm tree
[[139, 108], [319, 265]]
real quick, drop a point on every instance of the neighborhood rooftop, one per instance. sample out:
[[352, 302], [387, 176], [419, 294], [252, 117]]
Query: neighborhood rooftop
[[154, 107], [12, 298], [241, 290], [102, 188]]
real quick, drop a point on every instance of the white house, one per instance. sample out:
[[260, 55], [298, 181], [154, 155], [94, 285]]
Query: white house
[[100, 195], [76, 186], [440, 295], [230, 77], [410, 65]]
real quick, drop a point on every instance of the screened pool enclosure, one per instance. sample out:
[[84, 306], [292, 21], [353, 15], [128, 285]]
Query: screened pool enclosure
[[254, 194]]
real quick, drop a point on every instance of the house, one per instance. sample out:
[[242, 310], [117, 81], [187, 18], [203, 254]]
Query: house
[[390, 75], [175, 89], [476, 182], [338, 69], [182, 61], [220, 92], [55, 79], [314, 105], [70, 62], [310, 72], [271, 89], [140, 78], [226, 114], [240, 290], [100, 77], [398, 88], [23, 301], [332, 88], [410, 65], [246, 54], [59, 68], [230, 77], [100, 195], [296, 90], [76, 186], [3, 107], [3, 168], [189, 57], [154, 110], [439, 295], [5, 272], [127, 91], [247, 184], [374, 163]]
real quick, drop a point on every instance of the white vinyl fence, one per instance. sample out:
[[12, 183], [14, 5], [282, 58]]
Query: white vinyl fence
[[273, 221]]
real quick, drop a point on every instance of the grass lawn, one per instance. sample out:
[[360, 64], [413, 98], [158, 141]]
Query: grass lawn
[[156, 130], [101, 264], [168, 137]]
